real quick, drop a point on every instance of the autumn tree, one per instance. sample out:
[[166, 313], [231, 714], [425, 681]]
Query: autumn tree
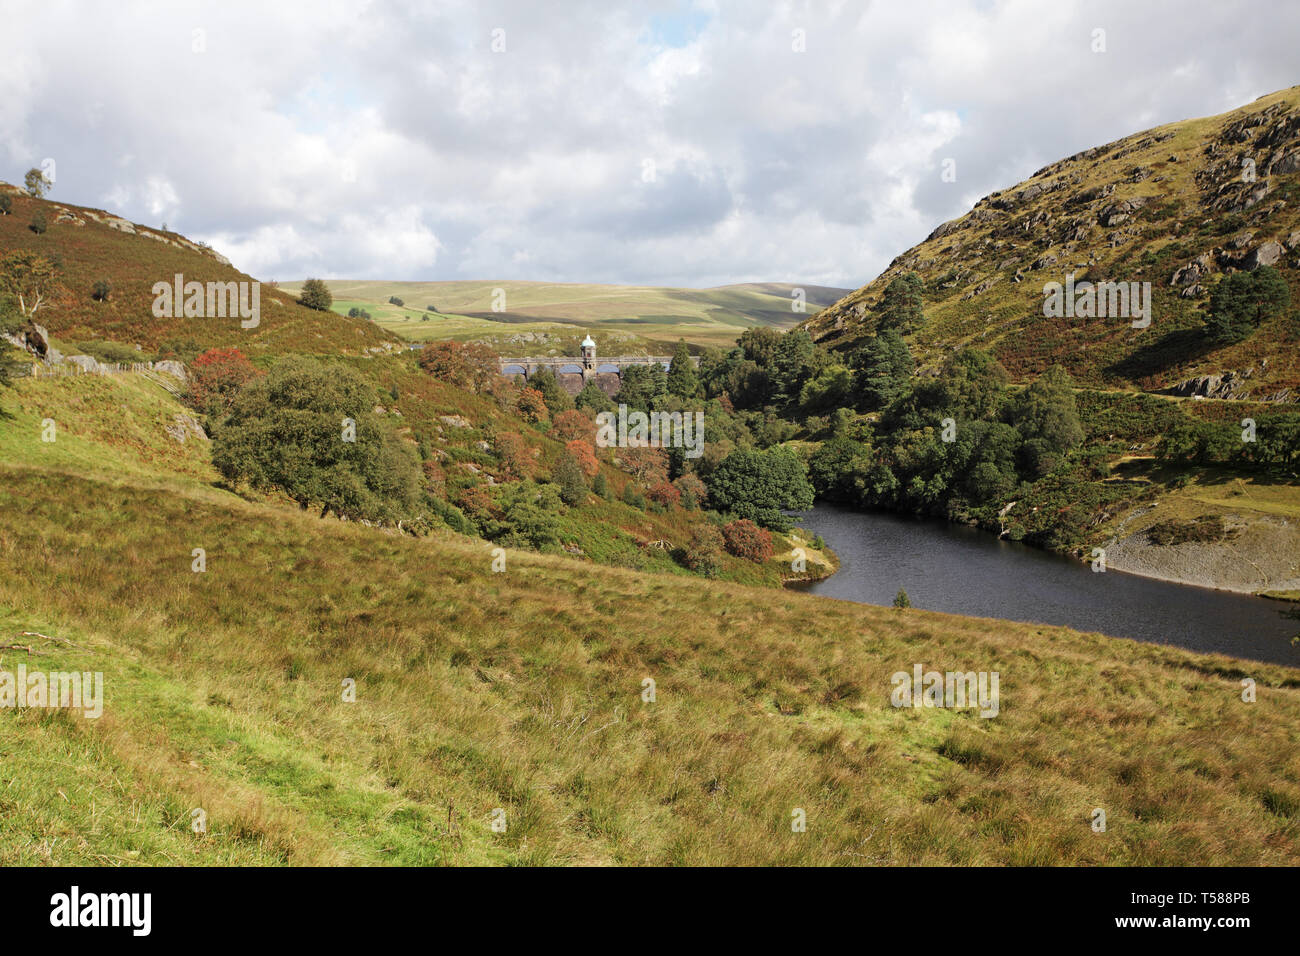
[[29, 278], [215, 377], [471, 366]]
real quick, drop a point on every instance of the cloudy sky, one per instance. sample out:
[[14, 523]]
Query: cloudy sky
[[683, 143]]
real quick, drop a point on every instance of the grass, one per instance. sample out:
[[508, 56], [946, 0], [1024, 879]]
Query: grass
[[522, 691], [547, 315]]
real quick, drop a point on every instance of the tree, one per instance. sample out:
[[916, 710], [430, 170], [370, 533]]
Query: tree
[[591, 397], [1047, 418], [39, 222], [747, 540], [28, 277], [569, 478], [472, 366], [901, 599], [6, 204], [215, 378], [572, 424], [881, 370], [516, 458], [683, 381], [665, 493], [647, 464], [37, 183], [1244, 300], [694, 492], [642, 386], [531, 406], [832, 467], [316, 295], [553, 393], [584, 454], [100, 290], [704, 550], [306, 429], [760, 484], [901, 307], [394, 300]]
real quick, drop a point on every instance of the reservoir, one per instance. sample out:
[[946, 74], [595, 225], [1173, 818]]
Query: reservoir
[[961, 570]]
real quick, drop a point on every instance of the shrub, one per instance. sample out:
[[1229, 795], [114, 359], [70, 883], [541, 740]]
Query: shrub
[[665, 494], [394, 300], [6, 204], [316, 295], [39, 222], [435, 479], [573, 424], [600, 485], [747, 540], [632, 496], [516, 461], [100, 290], [704, 551]]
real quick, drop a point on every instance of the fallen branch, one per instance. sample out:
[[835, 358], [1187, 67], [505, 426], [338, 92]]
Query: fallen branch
[[19, 647], [46, 637]]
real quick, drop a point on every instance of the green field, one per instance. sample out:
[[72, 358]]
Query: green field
[[633, 319]]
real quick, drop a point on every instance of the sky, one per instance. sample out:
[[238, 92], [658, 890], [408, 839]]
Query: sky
[[656, 142]]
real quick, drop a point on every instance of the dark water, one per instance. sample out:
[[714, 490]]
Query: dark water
[[961, 570]]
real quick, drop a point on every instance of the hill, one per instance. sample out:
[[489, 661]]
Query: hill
[[90, 245], [517, 696], [548, 316], [1178, 206]]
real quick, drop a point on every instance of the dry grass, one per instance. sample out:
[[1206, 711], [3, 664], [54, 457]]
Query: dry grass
[[522, 691]]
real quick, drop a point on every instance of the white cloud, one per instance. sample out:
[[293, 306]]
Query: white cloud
[[388, 140]]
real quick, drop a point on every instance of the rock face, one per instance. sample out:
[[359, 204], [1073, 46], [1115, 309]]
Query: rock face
[[85, 362], [1228, 385]]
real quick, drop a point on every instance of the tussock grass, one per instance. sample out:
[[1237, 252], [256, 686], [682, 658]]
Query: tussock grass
[[522, 691]]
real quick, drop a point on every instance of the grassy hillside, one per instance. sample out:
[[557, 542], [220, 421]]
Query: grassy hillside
[[521, 691], [90, 245], [1139, 209], [548, 316]]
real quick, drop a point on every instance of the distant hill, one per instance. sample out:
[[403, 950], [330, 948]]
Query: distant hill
[[548, 314], [91, 244], [1178, 206]]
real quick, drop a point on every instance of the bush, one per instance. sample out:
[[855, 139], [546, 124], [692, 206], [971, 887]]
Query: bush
[[600, 485], [585, 455], [316, 295], [632, 496], [394, 300], [704, 551], [6, 204], [531, 406], [100, 290], [665, 494], [39, 223], [355, 313], [516, 460], [747, 540], [695, 494]]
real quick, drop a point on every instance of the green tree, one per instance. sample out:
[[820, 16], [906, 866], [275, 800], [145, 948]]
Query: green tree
[[901, 599], [642, 386], [593, 398], [36, 182], [569, 479], [832, 468], [882, 368], [316, 295], [683, 381], [1244, 300], [553, 393], [307, 429], [29, 278], [760, 484], [901, 307], [101, 290], [6, 204], [40, 223], [1047, 418]]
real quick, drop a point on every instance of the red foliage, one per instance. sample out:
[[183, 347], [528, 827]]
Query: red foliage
[[585, 455], [532, 406], [574, 424], [649, 465], [216, 376], [515, 455], [665, 494], [747, 540]]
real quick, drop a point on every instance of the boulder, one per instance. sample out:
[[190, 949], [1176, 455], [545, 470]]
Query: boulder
[[86, 362], [1266, 255]]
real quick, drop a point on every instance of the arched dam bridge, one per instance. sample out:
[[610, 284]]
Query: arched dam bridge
[[575, 373]]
